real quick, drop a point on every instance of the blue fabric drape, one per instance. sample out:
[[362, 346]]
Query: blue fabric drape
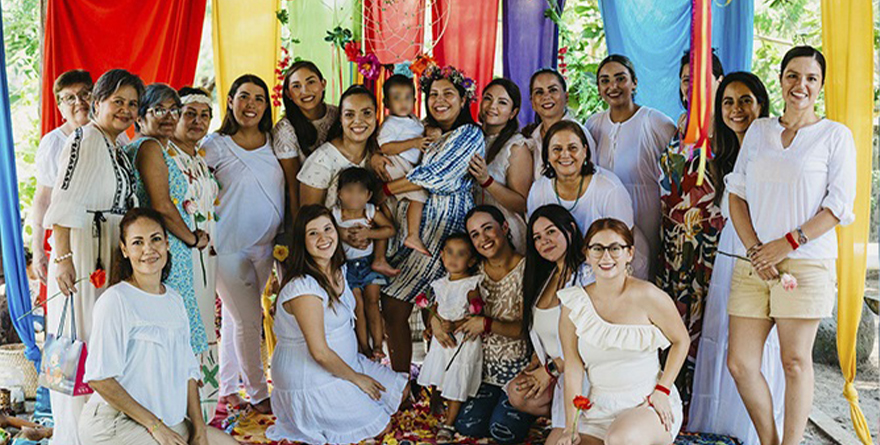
[[530, 43], [654, 35], [14, 267]]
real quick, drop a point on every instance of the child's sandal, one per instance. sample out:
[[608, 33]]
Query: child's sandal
[[445, 433]]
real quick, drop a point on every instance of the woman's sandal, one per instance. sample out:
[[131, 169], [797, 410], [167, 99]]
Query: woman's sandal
[[445, 433]]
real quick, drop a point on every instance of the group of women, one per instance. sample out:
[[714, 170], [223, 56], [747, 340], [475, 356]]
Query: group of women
[[573, 225]]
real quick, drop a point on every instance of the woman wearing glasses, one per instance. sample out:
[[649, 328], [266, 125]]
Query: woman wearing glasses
[[167, 183], [612, 330]]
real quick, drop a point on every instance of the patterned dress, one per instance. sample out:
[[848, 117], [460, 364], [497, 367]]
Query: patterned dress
[[689, 239], [181, 276], [443, 173], [503, 357]]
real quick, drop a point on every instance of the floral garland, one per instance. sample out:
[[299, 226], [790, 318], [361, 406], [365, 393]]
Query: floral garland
[[450, 73]]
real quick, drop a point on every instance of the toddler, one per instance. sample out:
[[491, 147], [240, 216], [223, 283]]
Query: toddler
[[358, 220]]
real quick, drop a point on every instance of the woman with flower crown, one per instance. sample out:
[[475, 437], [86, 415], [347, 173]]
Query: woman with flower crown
[[443, 173]]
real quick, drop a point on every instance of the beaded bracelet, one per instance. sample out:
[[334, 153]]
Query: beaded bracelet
[[61, 258]]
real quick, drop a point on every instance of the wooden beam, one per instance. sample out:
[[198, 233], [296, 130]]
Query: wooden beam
[[832, 428]]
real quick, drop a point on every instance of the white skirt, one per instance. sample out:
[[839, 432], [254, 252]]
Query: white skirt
[[464, 376], [716, 406]]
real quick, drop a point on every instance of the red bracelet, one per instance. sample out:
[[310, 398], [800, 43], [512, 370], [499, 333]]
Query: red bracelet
[[790, 238], [387, 189], [662, 389], [488, 182], [487, 325]]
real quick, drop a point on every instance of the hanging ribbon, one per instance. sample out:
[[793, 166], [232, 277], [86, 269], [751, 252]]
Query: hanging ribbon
[[700, 96]]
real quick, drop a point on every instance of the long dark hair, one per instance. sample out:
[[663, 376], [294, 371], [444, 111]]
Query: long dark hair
[[587, 169], [122, 270], [336, 129], [299, 262], [495, 214], [725, 146], [528, 129], [306, 133], [464, 116], [717, 71], [538, 270], [512, 125], [230, 126]]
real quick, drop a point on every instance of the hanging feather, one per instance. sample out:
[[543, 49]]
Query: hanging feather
[[700, 96]]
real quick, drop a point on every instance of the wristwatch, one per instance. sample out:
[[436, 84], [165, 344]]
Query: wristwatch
[[552, 369], [802, 237]]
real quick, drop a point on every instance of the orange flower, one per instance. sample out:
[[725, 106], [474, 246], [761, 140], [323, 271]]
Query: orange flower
[[582, 403], [98, 278], [280, 252], [423, 61]]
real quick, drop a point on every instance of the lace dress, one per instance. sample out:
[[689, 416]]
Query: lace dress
[[503, 357]]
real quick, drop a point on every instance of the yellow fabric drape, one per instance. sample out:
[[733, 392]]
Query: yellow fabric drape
[[247, 40], [847, 40]]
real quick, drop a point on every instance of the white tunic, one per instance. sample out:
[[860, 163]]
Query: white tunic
[[605, 197], [631, 149], [142, 341], [351, 252], [498, 171], [321, 171], [48, 157], [785, 187], [251, 193], [538, 143]]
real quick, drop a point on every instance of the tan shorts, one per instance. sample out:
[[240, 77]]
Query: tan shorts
[[101, 424], [752, 297]]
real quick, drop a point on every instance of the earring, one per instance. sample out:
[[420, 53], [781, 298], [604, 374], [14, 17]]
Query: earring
[[629, 269]]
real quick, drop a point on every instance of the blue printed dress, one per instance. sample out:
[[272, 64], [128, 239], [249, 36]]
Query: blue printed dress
[[443, 173], [181, 276]]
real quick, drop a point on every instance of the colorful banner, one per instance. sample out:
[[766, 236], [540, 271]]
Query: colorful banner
[[314, 20], [394, 31], [847, 40], [247, 40], [526, 52], [99, 35], [464, 36], [654, 35]]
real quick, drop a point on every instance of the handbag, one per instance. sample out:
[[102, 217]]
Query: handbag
[[64, 359]]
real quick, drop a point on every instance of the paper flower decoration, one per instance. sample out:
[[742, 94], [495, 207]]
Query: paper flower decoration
[[368, 66], [403, 68], [788, 281], [422, 62], [280, 252], [353, 50], [98, 278]]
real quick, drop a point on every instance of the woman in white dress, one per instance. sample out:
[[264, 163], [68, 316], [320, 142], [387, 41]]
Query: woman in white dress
[[141, 364], [571, 180], [612, 331], [88, 201], [549, 97], [249, 215], [504, 176], [555, 259], [73, 90], [629, 139], [716, 406], [794, 182], [324, 390], [351, 140]]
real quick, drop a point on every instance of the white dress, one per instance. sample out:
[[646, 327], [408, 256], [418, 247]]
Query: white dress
[[631, 149], [310, 404], [462, 380], [498, 171], [48, 157], [545, 341], [605, 197], [321, 171], [142, 340], [716, 406], [538, 142], [621, 361], [93, 191]]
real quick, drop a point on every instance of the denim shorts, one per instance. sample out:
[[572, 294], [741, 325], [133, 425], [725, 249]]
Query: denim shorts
[[359, 274]]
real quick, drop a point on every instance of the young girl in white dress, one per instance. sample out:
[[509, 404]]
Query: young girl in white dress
[[453, 368]]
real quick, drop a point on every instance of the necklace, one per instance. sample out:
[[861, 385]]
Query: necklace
[[559, 200]]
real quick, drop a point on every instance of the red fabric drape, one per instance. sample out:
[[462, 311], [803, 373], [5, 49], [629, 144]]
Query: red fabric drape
[[468, 41], [156, 39], [394, 31]]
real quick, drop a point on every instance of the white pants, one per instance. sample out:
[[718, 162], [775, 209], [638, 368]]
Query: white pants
[[241, 278]]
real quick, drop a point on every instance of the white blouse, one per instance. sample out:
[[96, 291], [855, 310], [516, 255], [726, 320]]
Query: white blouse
[[286, 145], [251, 193], [785, 187], [142, 341], [49, 156], [321, 170], [351, 252]]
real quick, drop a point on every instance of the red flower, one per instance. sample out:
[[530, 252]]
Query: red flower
[[582, 403], [423, 61], [475, 306], [352, 50], [563, 50], [98, 278], [422, 301]]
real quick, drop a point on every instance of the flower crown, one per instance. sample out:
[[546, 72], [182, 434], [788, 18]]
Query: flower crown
[[450, 73]]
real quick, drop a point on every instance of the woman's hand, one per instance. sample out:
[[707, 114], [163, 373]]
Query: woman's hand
[[441, 333], [542, 381], [523, 383], [41, 264], [472, 327], [660, 402], [478, 169], [167, 436], [360, 235], [369, 385], [569, 438], [65, 275], [770, 254], [202, 239], [378, 162]]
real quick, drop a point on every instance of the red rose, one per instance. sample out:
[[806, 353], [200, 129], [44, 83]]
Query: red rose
[[582, 403], [422, 301], [98, 278]]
